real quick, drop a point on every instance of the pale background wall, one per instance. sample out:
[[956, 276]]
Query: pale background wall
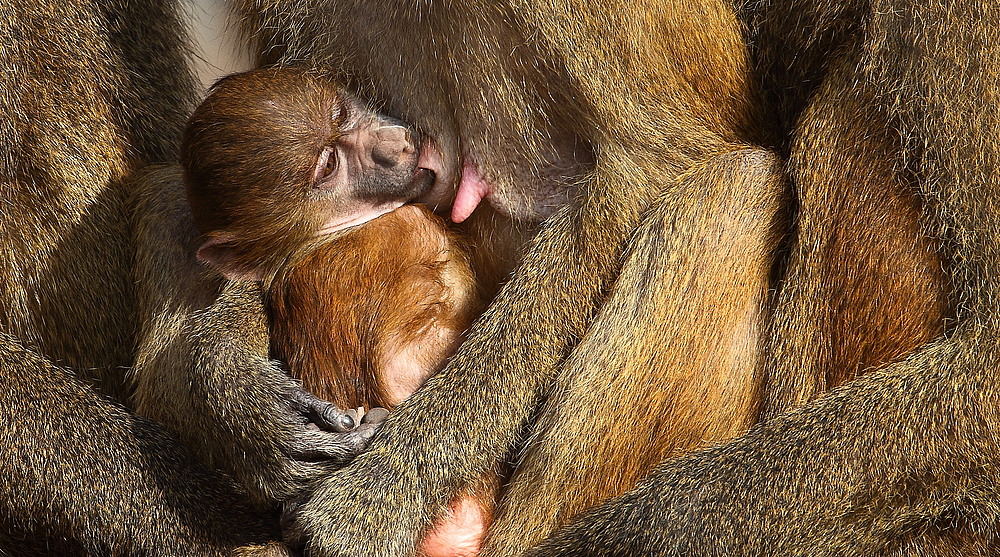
[[216, 47]]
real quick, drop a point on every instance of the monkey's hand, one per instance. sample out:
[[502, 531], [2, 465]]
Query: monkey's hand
[[345, 513], [257, 422], [327, 432]]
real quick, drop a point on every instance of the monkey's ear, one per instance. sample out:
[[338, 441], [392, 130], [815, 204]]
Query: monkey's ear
[[219, 252]]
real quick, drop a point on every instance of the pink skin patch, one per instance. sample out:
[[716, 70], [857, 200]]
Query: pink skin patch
[[460, 533], [471, 191]]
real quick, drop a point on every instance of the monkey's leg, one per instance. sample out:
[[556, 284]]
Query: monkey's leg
[[844, 475], [203, 366], [671, 360], [866, 285]]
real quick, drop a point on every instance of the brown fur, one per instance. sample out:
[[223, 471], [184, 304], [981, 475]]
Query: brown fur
[[90, 92], [885, 114], [252, 152], [395, 290], [366, 318], [253, 136], [874, 288]]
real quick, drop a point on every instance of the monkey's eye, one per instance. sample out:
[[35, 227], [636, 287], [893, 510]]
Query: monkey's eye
[[331, 165], [326, 164]]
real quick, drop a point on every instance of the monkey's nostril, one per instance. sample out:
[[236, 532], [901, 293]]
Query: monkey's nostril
[[388, 153]]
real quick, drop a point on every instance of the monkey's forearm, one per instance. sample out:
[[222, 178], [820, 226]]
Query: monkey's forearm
[[208, 376], [86, 476]]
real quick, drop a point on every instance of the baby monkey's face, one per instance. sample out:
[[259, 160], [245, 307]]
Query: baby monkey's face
[[275, 158], [368, 165]]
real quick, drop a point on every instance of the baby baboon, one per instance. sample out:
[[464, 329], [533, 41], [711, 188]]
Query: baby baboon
[[283, 171]]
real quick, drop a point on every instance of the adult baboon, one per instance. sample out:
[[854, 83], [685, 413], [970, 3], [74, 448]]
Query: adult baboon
[[617, 121]]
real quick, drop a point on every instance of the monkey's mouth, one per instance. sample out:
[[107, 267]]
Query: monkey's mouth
[[430, 166], [422, 182], [356, 218]]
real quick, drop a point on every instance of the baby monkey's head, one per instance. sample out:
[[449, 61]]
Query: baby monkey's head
[[274, 159]]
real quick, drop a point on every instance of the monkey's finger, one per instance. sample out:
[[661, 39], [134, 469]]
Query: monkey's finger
[[331, 418], [375, 416], [325, 414]]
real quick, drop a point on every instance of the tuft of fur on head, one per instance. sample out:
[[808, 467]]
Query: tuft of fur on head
[[249, 152], [387, 300]]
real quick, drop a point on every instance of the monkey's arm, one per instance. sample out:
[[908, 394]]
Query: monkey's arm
[[203, 366], [82, 475], [845, 475]]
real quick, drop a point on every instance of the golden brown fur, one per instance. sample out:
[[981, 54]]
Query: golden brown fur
[[883, 112], [395, 294], [365, 318], [876, 280], [90, 91]]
